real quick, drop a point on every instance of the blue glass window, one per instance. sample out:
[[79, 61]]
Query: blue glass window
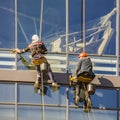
[[29, 113], [7, 24], [7, 92], [26, 94], [58, 97], [55, 113], [104, 98], [7, 112]]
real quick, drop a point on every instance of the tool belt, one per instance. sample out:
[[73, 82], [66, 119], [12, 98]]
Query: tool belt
[[85, 77], [39, 61]]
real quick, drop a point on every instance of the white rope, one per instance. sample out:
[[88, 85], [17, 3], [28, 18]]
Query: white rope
[[43, 107], [88, 116], [67, 32], [84, 26], [67, 103], [93, 114], [42, 84], [41, 18]]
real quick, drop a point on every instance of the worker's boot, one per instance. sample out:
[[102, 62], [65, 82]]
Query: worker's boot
[[87, 105], [36, 87], [77, 100], [54, 84]]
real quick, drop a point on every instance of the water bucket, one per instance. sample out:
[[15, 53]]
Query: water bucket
[[44, 67], [91, 89]]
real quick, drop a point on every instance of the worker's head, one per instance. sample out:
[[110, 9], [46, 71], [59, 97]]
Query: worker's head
[[35, 38], [83, 54]]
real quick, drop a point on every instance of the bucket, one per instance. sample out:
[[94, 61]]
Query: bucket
[[91, 89], [44, 67]]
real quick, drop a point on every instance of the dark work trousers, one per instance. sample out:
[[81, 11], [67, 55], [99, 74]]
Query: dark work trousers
[[50, 74], [79, 90]]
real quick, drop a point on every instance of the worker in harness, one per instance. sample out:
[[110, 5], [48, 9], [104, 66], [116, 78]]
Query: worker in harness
[[38, 50], [84, 74]]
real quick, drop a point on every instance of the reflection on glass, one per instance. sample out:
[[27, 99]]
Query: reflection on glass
[[104, 99], [58, 97], [7, 23]]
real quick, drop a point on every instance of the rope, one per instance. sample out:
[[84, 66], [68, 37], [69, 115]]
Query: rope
[[67, 103], [83, 24], [41, 19], [67, 32], [43, 108], [88, 116], [40, 35], [93, 114], [82, 20]]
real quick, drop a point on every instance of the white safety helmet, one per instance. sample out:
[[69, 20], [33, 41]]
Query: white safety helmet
[[35, 38]]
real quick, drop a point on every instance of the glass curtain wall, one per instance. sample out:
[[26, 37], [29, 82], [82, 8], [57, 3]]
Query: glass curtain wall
[[18, 101]]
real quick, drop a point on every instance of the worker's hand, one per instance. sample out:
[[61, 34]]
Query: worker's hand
[[72, 78], [18, 50]]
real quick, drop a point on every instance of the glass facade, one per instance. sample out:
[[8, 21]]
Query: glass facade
[[20, 19], [18, 101]]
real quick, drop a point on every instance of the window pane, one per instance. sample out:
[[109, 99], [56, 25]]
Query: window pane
[[100, 27], [104, 98], [29, 113], [106, 114], [7, 112], [7, 24], [7, 92], [26, 94], [55, 113], [78, 114], [71, 96], [28, 21], [58, 97]]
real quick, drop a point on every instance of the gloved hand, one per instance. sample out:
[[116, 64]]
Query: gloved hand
[[18, 50]]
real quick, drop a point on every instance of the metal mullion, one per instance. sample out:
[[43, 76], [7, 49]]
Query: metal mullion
[[117, 35]]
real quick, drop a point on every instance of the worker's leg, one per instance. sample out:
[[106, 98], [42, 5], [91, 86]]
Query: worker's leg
[[37, 82], [77, 92], [51, 76], [88, 104]]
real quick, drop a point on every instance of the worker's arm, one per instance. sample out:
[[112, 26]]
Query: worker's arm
[[22, 51]]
